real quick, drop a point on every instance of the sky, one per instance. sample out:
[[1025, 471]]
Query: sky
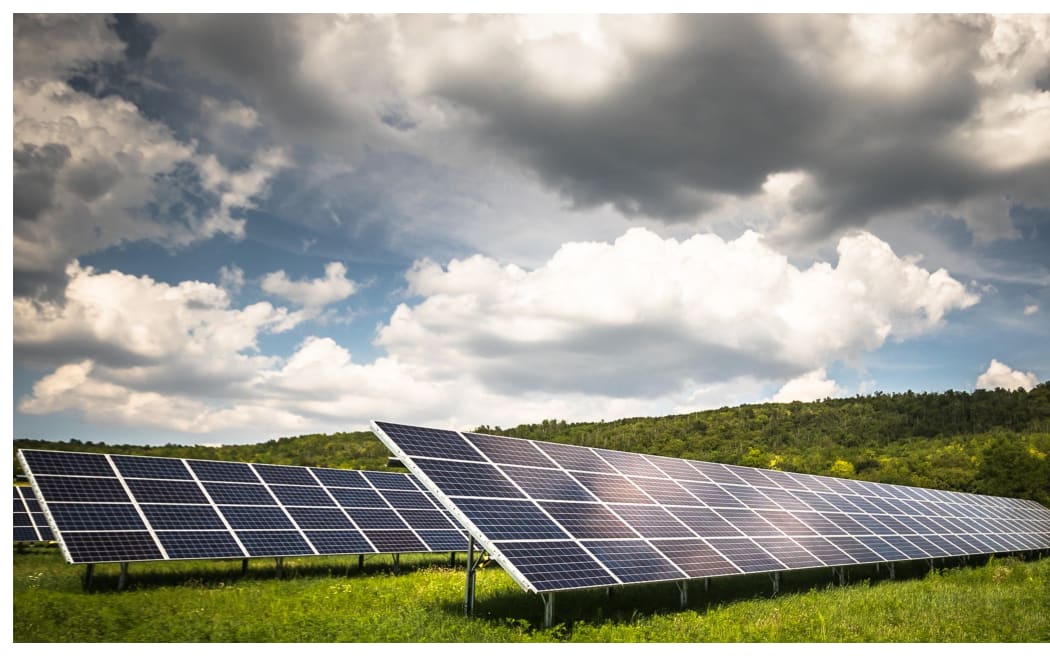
[[234, 228]]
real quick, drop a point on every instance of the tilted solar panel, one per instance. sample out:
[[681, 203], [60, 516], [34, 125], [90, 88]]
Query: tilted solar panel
[[30, 523], [117, 508], [560, 517]]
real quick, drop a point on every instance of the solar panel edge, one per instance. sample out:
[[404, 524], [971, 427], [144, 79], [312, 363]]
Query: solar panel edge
[[43, 506]]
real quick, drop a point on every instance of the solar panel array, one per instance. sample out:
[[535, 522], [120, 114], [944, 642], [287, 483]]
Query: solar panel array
[[30, 521], [559, 517], [118, 508]]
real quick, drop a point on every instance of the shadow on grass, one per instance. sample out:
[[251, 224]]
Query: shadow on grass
[[216, 573], [627, 603]]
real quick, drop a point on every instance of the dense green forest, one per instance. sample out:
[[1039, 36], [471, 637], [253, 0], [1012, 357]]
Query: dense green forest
[[989, 442]]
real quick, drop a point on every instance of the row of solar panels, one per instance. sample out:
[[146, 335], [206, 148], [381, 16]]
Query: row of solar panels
[[560, 517], [116, 508]]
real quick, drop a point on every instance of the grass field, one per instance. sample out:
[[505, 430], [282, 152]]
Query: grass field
[[329, 600]]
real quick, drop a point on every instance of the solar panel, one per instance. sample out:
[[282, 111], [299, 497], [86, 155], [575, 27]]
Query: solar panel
[[118, 508], [560, 517], [30, 522]]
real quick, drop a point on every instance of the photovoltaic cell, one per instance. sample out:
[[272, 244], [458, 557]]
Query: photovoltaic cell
[[695, 557], [241, 517], [665, 492], [588, 520], [448, 540], [509, 452], [633, 561], [97, 517], [165, 517], [556, 565], [547, 484], [340, 477], [149, 491], [284, 475], [652, 521], [320, 518], [504, 519], [244, 494], [746, 555], [612, 488], [395, 541], [433, 442], [575, 458], [274, 543], [630, 464], [339, 542], [355, 498], [68, 488], [199, 544], [228, 472], [145, 467], [469, 478], [111, 547], [705, 522], [789, 552], [388, 481]]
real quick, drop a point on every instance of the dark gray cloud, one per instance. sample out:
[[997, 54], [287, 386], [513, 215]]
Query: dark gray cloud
[[34, 182]]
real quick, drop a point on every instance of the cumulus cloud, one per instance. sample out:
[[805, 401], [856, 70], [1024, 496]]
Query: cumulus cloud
[[1029, 310], [812, 386], [639, 326], [312, 293], [1000, 375]]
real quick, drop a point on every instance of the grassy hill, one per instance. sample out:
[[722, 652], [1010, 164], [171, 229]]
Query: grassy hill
[[989, 442]]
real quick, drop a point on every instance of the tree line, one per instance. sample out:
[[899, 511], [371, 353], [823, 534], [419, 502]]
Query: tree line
[[988, 442]]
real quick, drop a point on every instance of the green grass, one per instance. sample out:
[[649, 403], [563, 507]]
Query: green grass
[[328, 600]]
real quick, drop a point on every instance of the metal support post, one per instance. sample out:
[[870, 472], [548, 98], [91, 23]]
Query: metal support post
[[775, 578], [244, 566], [707, 584], [123, 580], [683, 593], [930, 561], [841, 574], [89, 575], [280, 566], [360, 561], [397, 563], [472, 563], [548, 609], [876, 568], [893, 572], [452, 559]]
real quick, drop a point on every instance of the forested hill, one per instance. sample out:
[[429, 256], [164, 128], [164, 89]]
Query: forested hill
[[991, 442]]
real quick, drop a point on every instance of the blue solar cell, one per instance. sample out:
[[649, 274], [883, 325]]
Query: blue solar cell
[[750, 496], [786, 499], [712, 495], [863, 503], [633, 561], [148, 467], [828, 553], [22, 519], [840, 503], [425, 519], [67, 464], [556, 565], [244, 494], [274, 543], [109, 547], [182, 517], [651, 521], [787, 523], [576, 458], [430, 442], [855, 549], [448, 540], [789, 552], [895, 524], [872, 524], [753, 476], [241, 517], [695, 557], [705, 522], [847, 524], [677, 469], [748, 521], [394, 541], [717, 472], [96, 517], [547, 484], [339, 542], [375, 518], [352, 498], [586, 520], [746, 555], [294, 495], [284, 475], [501, 519], [320, 518], [388, 481], [199, 544], [612, 488], [666, 492], [927, 546], [227, 472], [24, 534], [340, 477], [820, 524], [46, 534], [814, 501], [407, 499], [510, 451], [630, 464], [150, 491], [885, 550], [73, 488], [468, 478]]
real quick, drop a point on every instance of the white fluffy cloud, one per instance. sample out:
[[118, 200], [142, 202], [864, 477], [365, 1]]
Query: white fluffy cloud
[[312, 293], [1029, 310], [639, 326], [1000, 375], [811, 386]]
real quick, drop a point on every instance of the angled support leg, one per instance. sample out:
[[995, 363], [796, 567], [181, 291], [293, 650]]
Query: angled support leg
[[279, 561], [893, 572], [244, 566], [472, 564], [123, 580], [775, 578], [360, 562], [683, 593], [548, 609], [452, 559], [397, 563], [89, 575]]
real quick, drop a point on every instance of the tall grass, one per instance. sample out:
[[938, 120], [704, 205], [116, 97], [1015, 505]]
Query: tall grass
[[329, 600]]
